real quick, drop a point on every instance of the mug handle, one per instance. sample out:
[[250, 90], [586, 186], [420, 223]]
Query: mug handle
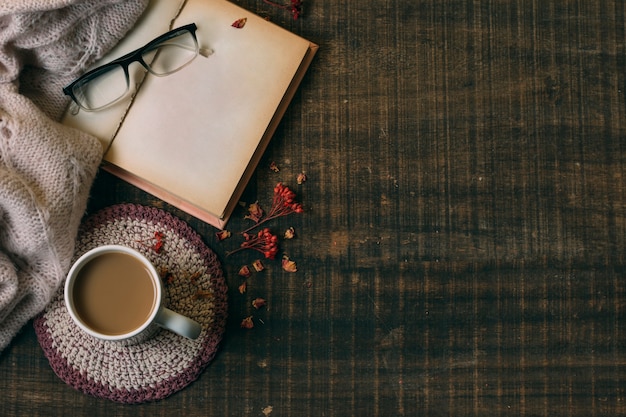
[[178, 323]]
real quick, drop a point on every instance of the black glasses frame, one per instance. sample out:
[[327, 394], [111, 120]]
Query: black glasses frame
[[126, 60]]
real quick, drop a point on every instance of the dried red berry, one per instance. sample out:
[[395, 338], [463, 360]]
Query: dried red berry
[[263, 241], [283, 203], [294, 7]]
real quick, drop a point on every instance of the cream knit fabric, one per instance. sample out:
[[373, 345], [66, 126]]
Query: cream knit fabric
[[46, 169]]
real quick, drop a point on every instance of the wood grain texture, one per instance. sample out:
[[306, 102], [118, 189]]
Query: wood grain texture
[[462, 249]]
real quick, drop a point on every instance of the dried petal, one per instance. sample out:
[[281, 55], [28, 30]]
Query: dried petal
[[274, 167], [240, 23], [301, 178], [243, 287], [247, 323], [244, 271], [222, 234], [290, 233], [289, 265], [258, 265], [255, 212], [258, 303]]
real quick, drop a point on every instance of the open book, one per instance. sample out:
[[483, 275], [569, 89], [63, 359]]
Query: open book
[[194, 138]]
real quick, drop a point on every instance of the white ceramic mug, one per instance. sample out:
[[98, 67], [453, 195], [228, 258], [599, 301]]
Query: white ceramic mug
[[114, 293]]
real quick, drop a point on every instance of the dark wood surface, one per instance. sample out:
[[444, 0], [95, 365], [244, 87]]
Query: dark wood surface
[[462, 246]]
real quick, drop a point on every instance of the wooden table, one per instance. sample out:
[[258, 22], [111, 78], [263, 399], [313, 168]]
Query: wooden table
[[462, 250]]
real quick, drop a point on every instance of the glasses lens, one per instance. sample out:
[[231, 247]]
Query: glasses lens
[[171, 54], [101, 88]]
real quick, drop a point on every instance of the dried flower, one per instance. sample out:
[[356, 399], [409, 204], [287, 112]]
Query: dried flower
[[243, 287], [294, 7], [283, 203], [301, 178], [240, 23], [289, 265], [247, 323], [258, 303], [255, 212], [244, 271], [258, 265], [222, 234], [263, 241], [290, 233], [274, 167]]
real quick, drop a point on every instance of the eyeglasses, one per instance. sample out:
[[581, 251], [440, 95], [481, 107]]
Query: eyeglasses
[[109, 83]]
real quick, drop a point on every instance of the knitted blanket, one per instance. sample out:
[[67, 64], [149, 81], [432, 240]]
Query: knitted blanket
[[46, 169]]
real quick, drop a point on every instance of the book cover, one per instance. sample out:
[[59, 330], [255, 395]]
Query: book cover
[[194, 138]]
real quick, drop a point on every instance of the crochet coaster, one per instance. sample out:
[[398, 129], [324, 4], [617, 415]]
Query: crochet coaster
[[194, 286]]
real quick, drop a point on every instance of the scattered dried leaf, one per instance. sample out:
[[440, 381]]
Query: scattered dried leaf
[[255, 212], [247, 323], [244, 271], [274, 167], [290, 233], [301, 178], [258, 265], [289, 265], [222, 234], [243, 287], [240, 23], [258, 303]]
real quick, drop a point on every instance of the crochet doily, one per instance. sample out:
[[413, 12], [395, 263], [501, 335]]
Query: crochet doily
[[194, 286]]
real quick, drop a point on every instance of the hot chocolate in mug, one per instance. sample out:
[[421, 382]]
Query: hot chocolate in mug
[[114, 293]]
